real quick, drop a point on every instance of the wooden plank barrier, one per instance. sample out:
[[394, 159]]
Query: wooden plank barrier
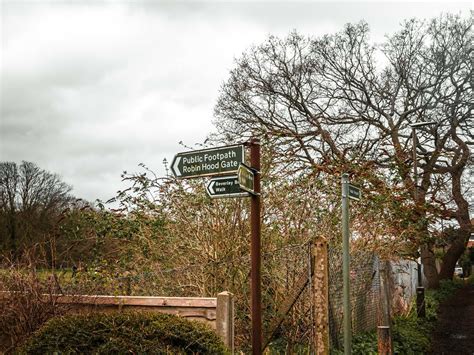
[[217, 312]]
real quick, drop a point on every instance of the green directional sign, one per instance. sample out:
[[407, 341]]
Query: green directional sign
[[215, 161], [354, 192], [225, 186], [246, 178]]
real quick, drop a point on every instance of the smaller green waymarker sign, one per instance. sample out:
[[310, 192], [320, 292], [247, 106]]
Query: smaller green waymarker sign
[[246, 178], [214, 161], [225, 186], [354, 192]]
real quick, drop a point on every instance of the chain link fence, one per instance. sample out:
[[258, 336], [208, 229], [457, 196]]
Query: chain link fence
[[288, 302], [287, 297], [364, 290]]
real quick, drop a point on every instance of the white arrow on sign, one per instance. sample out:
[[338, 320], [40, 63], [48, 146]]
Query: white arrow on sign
[[210, 187], [176, 166], [225, 186]]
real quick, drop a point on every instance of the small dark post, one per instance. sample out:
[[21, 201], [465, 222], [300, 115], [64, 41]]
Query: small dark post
[[384, 340], [420, 302], [384, 333], [255, 250], [420, 295]]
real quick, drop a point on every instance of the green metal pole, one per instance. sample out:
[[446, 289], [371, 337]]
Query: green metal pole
[[345, 265]]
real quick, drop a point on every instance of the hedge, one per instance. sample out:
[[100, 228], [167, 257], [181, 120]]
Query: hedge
[[123, 333]]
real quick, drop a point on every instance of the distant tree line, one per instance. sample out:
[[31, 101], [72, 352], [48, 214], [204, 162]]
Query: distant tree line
[[31, 202]]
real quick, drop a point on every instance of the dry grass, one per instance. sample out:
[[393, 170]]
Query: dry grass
[[27, 301]]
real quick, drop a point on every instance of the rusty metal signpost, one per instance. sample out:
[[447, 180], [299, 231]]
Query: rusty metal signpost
[[229, 160], [255, 252]]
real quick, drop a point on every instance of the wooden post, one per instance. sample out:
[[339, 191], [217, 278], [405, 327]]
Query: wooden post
[[384, 340], [420, 302], [384, 333], [225, 318], [321, 297]]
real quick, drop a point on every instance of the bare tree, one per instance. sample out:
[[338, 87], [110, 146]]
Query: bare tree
[[341, 103], [30, 198]]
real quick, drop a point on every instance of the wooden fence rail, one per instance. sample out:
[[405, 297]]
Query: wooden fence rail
[[217, 312]]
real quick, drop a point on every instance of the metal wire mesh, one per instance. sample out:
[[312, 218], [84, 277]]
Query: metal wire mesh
[[364, 291], [285, 270], [288, 279]]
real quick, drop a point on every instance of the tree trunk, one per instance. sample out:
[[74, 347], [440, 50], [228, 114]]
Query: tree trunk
[[12, 225], [453, 254], [458, 246], [428, 259], [429, 266]]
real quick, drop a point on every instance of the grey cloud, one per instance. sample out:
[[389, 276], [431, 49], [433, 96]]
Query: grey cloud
[[287, 15], [88, 91]]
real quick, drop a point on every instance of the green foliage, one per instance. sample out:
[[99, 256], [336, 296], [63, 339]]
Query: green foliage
[[362, 344], [281, 347], [365, 343], [445, 290], [410, 334], [120, 333]]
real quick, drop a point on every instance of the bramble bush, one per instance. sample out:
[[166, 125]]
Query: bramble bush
[[27, 301]]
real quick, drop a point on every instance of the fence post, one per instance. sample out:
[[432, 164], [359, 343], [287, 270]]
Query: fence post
[[420, 293], [420, 302], [320, 290], [225, 318], [384, 333], [384, 340]]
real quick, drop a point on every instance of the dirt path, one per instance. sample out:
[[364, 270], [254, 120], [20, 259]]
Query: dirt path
[[454, 333]]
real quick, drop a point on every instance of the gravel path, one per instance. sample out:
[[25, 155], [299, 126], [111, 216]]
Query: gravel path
[[454, 333]]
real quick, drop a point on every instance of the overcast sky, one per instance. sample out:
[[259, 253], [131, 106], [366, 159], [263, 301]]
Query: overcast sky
[[89, 89]]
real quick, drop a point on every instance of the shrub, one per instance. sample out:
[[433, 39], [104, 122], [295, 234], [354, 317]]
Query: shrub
[[410, 334], [26, 303], [365, 343], [120, 333]]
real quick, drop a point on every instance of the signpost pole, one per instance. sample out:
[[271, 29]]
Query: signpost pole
[[345, 265], [255, 250]]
